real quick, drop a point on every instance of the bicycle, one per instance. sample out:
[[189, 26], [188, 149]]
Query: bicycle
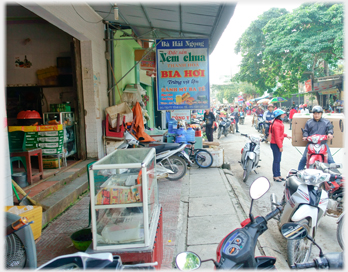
[[201, 157]]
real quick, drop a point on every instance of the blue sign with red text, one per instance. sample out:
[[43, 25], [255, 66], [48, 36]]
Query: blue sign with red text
[[182, 74]]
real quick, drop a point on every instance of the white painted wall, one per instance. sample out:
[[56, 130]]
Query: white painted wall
[[94, 64]]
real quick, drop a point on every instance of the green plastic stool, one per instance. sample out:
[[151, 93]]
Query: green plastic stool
[[22, 159]]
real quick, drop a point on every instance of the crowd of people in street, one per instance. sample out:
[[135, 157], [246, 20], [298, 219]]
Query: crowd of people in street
[[274, 127]]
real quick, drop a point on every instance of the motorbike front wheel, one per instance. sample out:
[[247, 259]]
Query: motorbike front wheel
[[299, 250], [247, 170], [177, 165], [339, 234], [219, 133]]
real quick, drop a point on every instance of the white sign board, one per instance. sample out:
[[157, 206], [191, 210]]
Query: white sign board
[[181, 115]]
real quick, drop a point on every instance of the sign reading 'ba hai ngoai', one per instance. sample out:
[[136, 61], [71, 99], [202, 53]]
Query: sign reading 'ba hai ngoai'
[[182, 74]]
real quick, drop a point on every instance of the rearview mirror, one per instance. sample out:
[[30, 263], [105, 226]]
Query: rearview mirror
[[293, 231], [259, 187], [187, 261]]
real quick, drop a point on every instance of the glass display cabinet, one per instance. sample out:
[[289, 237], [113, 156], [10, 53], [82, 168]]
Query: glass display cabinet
[[124, 199], [67, 119]]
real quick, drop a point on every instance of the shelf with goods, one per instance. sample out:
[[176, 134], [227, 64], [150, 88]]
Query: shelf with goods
[[67, 120], [124, 200]]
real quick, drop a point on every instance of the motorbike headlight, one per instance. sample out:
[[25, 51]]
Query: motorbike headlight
[[315, 139], [255, 139]]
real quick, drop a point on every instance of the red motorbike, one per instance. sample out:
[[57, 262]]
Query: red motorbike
[[316, 150]]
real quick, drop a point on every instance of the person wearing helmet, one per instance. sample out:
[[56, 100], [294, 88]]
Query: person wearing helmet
[[299, 108], [276, 131], [304, 109], [268, 117], [317, 125]]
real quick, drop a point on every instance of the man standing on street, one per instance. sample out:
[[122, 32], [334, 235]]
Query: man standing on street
[[291, 115], [268, 117], [304, 109], [209, 119], [317, 125]]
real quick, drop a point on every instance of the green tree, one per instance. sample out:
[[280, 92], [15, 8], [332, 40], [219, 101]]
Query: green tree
[[307, 41], [251, 45]]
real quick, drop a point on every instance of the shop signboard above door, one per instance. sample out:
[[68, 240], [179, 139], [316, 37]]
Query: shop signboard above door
[[182, 74]]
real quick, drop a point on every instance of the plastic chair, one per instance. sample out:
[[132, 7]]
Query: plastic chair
[[21, 159]]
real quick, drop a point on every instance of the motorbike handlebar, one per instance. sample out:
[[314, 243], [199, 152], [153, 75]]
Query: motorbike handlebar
[[273, 213], [303, 265]]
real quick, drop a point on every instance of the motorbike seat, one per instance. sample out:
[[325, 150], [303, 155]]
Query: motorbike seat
[[192, 142], [166, 147], [292, 183]]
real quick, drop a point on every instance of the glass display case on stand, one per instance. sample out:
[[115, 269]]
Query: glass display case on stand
[[124, 199]]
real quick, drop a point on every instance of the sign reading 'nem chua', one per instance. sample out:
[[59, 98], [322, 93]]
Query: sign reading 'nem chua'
[[182, 74]]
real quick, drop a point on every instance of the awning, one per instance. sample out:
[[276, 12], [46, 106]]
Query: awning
[[172, 20]]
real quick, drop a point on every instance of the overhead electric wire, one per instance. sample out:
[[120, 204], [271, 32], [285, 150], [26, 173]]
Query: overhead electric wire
[[89, 21]]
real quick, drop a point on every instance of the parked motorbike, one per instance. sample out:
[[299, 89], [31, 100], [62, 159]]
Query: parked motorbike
[[241, 118], [250, 155], [286, 117], [167, 156], [305, 202], [237, 249], [85, 261], [259, 125], [334, 187], [332, 260], [224, 127], [233, 124]]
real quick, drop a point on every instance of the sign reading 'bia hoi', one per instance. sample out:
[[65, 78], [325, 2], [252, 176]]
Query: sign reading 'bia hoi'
[[182, 74]]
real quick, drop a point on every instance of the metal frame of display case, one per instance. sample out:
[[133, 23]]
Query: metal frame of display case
[[149, 227]]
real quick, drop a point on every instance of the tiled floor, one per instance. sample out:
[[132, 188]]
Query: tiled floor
[[55, 239]]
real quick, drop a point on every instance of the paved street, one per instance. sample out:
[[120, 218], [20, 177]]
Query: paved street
[[233, 143]]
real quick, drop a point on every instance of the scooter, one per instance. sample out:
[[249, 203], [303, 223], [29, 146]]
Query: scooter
[[167, 156], [250, 155], [233, 124], [224, 127], [241, 118], [259, 125], [304, 202], [85, 261], [237, 249], [334, 187], [332, 260]]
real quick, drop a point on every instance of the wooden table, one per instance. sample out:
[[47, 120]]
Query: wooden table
[[28, 153]]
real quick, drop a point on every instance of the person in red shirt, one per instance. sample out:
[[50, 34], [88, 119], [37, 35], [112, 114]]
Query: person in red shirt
[[291, 114], [277, 136]]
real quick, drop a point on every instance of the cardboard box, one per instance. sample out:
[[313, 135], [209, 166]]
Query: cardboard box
[[123, 109], [52, 150], [23, 128], [51, 163], [34, 214], [50, 139], [50, 127], [336, 119], [31, 145]]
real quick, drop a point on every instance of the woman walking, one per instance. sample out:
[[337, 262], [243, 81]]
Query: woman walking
[[277, 136]]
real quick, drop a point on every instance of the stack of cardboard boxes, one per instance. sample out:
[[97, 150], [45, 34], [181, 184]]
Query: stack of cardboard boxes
[[337, 120]]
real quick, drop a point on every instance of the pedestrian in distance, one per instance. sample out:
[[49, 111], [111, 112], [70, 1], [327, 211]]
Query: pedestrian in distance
[[291, 115], [304, 109], [236, 117], [268, 117], [277, 136], [317, 125], [209, 119]]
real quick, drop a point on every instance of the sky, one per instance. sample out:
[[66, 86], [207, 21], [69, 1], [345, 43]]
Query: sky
[[223, 60]]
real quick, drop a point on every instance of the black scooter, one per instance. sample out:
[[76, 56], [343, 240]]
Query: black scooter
[[224, 127], [237, 249], [332, 260]]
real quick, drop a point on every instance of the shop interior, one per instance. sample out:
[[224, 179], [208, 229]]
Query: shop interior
[[41, 97]]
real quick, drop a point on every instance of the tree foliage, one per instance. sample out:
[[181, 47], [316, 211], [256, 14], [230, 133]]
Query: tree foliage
[[251, 45], [301, 42], [280, 48]]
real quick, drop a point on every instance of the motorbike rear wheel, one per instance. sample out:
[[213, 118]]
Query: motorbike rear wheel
[[340, 234], [177, 165], [247, 170], [225, 132], [203, 158], [219, 133], [299, 251]]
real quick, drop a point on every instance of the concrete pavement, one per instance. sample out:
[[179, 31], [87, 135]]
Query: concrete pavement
[[212, 205]]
